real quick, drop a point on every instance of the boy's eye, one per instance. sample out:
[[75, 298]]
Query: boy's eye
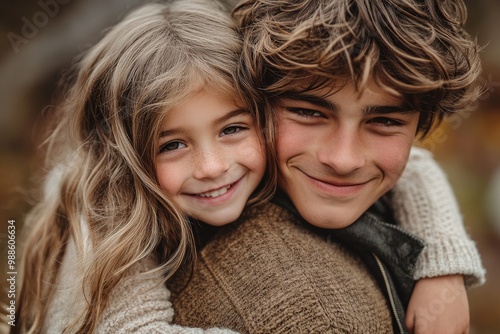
[[172, 146], [232, 129], [384, 121], [304, 112]]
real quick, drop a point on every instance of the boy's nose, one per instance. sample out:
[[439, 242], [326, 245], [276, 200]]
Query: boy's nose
[[342, 152]]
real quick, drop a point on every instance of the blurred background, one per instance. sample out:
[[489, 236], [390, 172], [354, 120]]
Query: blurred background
[[40, 38]]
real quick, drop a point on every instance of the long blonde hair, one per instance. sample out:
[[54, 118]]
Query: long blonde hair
[[104, 147]]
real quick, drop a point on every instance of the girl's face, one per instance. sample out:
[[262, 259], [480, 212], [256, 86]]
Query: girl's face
[[210, 158]]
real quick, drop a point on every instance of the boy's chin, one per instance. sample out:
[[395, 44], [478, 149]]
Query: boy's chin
[[331, 217]]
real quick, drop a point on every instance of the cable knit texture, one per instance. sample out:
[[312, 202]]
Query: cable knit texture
[[269, 274], [424, 204]]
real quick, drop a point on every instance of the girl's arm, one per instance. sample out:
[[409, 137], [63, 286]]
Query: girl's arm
[[138, 304], [424, 204]]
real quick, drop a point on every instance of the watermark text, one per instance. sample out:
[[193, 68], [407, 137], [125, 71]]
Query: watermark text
[[11, 272]]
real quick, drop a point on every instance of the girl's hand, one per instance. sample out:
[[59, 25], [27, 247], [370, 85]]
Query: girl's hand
[[439, 305]]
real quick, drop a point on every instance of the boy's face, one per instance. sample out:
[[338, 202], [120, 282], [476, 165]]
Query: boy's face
[[338, 153], [210, 158]]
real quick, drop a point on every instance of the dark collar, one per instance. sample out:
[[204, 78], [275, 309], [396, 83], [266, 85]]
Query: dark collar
[[372, 232]]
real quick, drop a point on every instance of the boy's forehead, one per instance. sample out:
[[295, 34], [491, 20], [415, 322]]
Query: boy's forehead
[[325, 88]]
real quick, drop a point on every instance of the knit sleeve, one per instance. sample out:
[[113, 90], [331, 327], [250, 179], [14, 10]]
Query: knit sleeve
[[424, 204], [140, 304]]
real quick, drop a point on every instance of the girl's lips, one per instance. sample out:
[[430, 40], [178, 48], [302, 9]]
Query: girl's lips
[[213, 192], [216, 192], [218, 195]]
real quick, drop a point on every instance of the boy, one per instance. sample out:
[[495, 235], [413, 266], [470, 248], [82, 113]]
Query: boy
[[350, 84]]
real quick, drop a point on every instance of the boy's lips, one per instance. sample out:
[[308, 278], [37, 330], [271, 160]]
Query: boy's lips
[[339, 183], [336, 187], [336, 182]]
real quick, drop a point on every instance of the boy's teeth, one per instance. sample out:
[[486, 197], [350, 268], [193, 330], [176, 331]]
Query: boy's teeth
[[215, 193]]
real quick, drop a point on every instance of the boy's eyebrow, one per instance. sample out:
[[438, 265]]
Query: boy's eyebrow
[[216, 122], [323, 103], [309, 98], [389, 109]]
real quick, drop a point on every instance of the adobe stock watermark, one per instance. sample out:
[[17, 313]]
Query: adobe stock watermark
[[439, 136], [11, 272], [437, 306], [31, 27]]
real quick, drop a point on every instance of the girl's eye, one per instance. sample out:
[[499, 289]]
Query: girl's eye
[[303, 112], [172, 146], [232, 129], [384, 121]]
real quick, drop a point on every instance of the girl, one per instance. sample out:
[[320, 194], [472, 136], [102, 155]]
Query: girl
[[154, 130], [108, 215]]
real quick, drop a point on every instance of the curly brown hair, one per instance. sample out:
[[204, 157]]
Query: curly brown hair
[[418, 49]]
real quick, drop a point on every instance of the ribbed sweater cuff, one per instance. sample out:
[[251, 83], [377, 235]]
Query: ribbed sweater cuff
[[439, 259], [424, 204]]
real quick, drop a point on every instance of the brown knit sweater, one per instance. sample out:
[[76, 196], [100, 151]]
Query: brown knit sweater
[[267, 274]]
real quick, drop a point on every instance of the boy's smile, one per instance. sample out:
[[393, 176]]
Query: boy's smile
[[339, 152], [210, 159]]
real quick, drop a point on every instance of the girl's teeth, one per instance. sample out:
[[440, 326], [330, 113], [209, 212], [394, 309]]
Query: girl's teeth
[[216, 193]]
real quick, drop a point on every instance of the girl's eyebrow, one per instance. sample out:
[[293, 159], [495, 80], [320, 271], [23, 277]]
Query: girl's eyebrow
[[218, 121], [171, 132], [230, 115]]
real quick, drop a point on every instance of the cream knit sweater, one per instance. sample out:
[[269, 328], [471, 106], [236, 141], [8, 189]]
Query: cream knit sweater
[[423, 202], [139, 304]]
